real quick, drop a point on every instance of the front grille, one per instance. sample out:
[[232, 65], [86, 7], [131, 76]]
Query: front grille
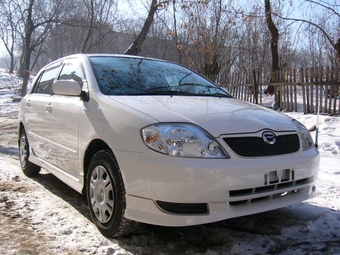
[[261, 193], [257, 147]]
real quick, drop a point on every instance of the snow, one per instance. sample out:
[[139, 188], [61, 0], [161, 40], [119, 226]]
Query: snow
[[42, 215]]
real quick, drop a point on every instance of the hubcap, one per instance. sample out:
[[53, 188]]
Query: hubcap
[[23, 151], [101, 194]]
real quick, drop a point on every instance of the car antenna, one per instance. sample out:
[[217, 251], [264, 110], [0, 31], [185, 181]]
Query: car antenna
[[317, 128]]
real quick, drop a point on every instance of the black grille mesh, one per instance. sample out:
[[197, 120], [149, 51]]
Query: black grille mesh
[[257, 147]]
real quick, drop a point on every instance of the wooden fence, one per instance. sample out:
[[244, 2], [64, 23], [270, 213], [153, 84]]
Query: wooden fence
[[304, 89]]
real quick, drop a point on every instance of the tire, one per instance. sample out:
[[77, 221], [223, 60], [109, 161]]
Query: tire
[[106, 196], [27, 167]]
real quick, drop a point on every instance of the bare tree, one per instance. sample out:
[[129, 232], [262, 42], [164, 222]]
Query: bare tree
[[135, 47], [8, 29], [100, 22], [87, 28], [211, 32], [320, 14], [274, 52], [210, 36], [37, 18], [274, 43], [159, 43]]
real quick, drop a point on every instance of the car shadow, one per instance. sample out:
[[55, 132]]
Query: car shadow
[[11, 151], [218, 237], [60, 189], [221, 237]]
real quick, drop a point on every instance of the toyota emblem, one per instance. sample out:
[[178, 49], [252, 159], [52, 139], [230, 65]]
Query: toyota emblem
[[269, 137]]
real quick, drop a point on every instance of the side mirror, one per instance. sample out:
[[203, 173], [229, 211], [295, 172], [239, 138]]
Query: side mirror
[[67, 88]]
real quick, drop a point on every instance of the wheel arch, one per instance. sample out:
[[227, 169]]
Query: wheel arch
[[95, 146]]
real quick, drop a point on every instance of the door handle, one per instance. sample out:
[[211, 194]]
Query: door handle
[[48, 107], [28, 103]]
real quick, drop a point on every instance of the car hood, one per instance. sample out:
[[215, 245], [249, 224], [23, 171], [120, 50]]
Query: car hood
[[216, 115]]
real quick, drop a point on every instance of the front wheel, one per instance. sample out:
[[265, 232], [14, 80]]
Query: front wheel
[[106, 196], [27, 167]]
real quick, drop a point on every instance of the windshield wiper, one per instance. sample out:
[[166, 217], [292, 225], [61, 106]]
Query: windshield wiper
[[159, 88], [165, 90], [162, 93], [195, 84], [220, 95], [171, 92], [176, 92]]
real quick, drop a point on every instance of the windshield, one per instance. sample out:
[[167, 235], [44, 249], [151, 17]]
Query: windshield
[[136, 76]]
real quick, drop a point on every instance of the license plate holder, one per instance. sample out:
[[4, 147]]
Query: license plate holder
[[278, 176]]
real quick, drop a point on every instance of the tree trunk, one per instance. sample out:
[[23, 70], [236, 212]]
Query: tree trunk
[[337, 49], [11, 54], [25, 64], [11, 65], [25, 70], [84, 50], [135, 47], [178, 47], [275, 52], [274, 40]]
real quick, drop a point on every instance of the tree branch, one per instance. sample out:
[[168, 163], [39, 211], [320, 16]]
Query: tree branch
[[310, 23], [135, 47], [324, 6]]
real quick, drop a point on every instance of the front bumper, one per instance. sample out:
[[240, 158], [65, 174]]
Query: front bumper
[[229, 187]]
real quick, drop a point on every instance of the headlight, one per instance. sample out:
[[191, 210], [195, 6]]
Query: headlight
[[182, 140], [306, 138]]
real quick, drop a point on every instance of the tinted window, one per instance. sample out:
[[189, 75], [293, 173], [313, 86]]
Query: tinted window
[[135, 76], [45, 83]]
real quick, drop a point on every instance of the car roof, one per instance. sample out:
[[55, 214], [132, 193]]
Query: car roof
[[82, 55]]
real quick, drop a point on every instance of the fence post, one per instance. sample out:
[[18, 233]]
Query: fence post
[[302, 78], [307, 74], [330, 92], [256, 88], [317, 86], [295, 91], [291, 105], [320, 71], [335, 90], [313, 79]]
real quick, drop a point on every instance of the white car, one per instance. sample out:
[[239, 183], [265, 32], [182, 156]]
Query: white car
[[151, 141]]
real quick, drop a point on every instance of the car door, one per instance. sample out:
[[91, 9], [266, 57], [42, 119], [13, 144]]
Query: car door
[[37, 112], [63, 121]]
